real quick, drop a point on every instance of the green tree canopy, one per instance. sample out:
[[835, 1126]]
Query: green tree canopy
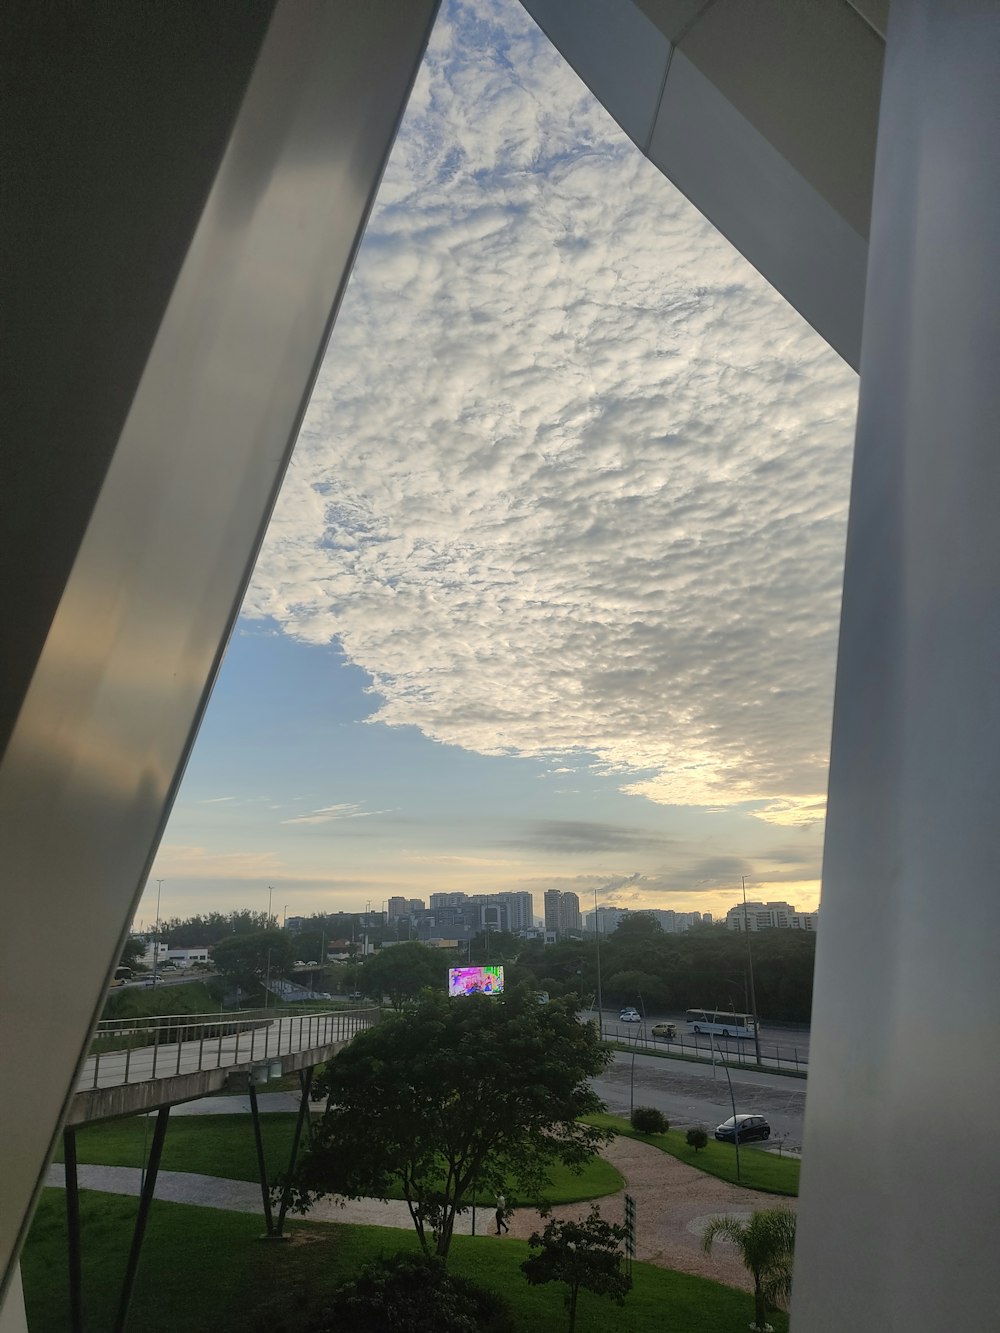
[[244, 959], [638, 988], [402, 971], [451, 1095], [583, 1254]]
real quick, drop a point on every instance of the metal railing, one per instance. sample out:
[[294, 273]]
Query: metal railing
[[167, 1045], [699, 1047]]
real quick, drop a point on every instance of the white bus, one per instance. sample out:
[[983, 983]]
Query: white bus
[[720, 1023]]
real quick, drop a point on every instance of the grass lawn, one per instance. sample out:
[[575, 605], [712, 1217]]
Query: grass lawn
[[223, 1145], [759, 1170], [203, 1270]]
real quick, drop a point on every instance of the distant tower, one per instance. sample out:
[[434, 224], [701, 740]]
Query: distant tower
[[553, 900]]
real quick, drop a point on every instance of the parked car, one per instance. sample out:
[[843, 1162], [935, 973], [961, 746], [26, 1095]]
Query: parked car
[[747, 1127], [630, 1015], [355, 995], [668, 1030]]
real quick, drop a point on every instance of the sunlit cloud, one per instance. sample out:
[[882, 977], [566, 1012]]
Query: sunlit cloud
[[327, 814], [574, 479]]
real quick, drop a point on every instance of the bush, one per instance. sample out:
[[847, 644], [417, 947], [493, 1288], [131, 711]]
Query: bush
[[648, 1120], [414, 1293], [696, 1138]]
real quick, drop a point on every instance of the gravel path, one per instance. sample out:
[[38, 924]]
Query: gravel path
[[673, 1204]]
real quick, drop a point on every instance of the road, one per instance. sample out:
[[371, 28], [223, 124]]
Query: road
[[688, 1094], [780, 1047]]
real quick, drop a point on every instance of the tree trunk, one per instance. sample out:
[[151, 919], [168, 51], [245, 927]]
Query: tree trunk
[[574, 1292], [760, 1309], [445, 1234]]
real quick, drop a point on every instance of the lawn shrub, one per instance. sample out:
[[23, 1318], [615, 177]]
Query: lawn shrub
[[416, 1293], [648, 1120], [696, 1138]]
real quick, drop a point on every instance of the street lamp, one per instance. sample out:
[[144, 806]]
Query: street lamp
[[753, 997], [600, 996], [156, 939], [732, 1103]]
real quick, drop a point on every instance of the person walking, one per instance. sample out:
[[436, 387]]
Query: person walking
[[501, 1214]]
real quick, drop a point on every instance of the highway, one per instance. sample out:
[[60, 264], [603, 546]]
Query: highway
[[693, 1094]]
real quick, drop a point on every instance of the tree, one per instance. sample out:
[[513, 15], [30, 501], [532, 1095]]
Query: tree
[[581, 1254], [247, 959], [452, 1095], [132, 952], [766, 1242], [402, 972], [696, 1138]]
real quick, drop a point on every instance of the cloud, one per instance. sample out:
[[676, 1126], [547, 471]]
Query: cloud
[[327, 814], [181, 861], [570, 836], [573, 483]]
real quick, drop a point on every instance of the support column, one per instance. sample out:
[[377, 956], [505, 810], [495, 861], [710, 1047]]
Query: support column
[[900, 1208], [306, 1077], [186, 189], [73, 1232], [142, 1217], [265, 1192]]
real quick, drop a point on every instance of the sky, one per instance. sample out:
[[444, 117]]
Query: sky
[[550, 595]]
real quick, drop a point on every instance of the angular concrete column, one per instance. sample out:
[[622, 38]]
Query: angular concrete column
[[900, 1208], [187, 186]]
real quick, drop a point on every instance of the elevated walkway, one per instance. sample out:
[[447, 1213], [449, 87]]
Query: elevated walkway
[[151, 1064], [158, 1062]]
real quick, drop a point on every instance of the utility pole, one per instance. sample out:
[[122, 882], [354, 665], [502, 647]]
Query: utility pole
[[600, 996], [156, 941], [753, 995]]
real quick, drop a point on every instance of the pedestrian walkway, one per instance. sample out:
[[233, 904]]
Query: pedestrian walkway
[[674, 1202], [243, 1196]]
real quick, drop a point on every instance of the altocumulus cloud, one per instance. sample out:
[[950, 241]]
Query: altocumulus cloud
[[574, 479]]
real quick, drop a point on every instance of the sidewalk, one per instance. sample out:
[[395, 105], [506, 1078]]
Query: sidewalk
[[674, 1202]]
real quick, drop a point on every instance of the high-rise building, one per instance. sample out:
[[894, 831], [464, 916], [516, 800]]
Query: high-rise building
[[551, 905], [606, 919], [562, 912], [398, 907], [569, 913], [770, 916], [447, 900]]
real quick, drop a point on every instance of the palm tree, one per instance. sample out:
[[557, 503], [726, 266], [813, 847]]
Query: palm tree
[[766, 1242]]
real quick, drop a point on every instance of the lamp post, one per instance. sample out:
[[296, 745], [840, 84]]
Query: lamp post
[[156, 939], [753, 997], [732, 1103], [600, 995]]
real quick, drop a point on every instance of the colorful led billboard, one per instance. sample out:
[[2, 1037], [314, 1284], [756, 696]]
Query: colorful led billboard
[[472, 980]]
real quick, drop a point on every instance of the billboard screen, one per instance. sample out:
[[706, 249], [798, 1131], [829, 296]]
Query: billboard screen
[[467, 980]]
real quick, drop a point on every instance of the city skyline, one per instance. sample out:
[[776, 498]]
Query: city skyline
[[550, 596]]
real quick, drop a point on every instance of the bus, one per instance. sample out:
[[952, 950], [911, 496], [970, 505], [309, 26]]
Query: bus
[[720, 1023]]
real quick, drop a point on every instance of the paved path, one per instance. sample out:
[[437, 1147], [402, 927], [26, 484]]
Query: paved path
[[673, 1203], [243, 1196], [267, 1103]]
